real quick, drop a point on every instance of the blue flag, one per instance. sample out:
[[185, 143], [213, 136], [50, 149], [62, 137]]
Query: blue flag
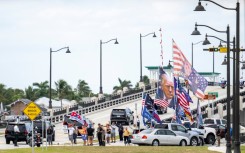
[[145, 115]]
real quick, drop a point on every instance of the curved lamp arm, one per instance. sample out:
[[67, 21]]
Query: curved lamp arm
[[149, 34], [219, 5], [108, 41], [59, 49], [201, 25]]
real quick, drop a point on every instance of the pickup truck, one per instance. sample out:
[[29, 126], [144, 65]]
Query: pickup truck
[[122, 116], [182, 131], [209, 133]]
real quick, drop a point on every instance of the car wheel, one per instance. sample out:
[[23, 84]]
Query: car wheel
[[183, 143], [194, 141], [210, 139], [155, 143], [7, 141]]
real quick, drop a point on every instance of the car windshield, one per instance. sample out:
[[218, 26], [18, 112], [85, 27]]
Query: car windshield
[[147, 131]]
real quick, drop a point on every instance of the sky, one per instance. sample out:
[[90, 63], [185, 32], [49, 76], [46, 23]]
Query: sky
[[30, 28]]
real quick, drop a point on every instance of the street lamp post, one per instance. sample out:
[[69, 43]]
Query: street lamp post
[[101, 90], [50, 76], [228, 143], [192, 44], [154, 35], [236, 70]]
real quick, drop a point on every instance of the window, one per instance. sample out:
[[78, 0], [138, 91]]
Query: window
[[160, 132], [174, 127], [181, 128], [224, 121], [218, 121], [209, 121], [194, 125], [168, 132]]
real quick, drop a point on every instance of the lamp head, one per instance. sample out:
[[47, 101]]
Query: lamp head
[[243, 66], [224, 62], [196, 32], [154, 35], [116, 42], [206, 42], [199, 7], [220, 45], [169, 65], [68, 50]]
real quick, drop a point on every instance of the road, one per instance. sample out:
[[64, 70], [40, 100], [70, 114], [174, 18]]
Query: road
[[103, 117]]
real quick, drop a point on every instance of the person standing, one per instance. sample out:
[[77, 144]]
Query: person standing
[[99, 134], [120, 131], [113, 133], [75, 134], [16, 134], [218, 134], [70, 133], [50, 133], [108, 133], [138, 122], [90, 131], [126, 136], [84, 134]]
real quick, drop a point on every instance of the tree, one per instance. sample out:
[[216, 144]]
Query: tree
[[30, 93], [63, 90], [123, 84], [83, 89], [42, 89]]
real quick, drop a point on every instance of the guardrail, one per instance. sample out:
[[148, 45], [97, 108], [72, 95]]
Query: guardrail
[[58, 117]]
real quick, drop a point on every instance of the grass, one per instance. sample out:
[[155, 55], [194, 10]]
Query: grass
[[115, 149]]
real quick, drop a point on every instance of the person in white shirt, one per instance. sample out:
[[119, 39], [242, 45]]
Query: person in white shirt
[[71, 130], [16, 133]]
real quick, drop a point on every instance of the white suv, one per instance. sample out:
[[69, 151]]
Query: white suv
[[209, 134], [217, 121]]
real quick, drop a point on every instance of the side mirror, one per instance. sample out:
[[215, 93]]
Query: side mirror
[[132, 112], [186, 131]]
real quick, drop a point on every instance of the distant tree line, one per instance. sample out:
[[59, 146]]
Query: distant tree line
[[62, 90]]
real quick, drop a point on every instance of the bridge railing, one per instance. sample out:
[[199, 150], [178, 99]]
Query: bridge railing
[[103, 104]]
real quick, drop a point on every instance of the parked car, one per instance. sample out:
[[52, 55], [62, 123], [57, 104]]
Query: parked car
[[156, 137], [182, 131], [9, 132], [214, 121], [122, 116], [209, 134]]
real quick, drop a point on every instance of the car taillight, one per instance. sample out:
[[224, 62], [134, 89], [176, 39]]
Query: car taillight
[[132, 137], [144, 137], [26, 132]]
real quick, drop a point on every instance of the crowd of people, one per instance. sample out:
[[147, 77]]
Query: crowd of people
[[106, 134]]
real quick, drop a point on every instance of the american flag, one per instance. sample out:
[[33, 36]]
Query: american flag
[[182, 100], [161, 102], [183, 68], [198, 83]]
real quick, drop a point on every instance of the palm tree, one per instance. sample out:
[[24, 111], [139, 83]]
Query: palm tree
[[42, 88], [2, 93], [83, 89], [123, 84], [63, 90], [30, 93]]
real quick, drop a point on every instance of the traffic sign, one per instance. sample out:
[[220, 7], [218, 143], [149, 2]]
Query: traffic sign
[[223, 50], [209, 97], [32, 110], [214, 93]]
